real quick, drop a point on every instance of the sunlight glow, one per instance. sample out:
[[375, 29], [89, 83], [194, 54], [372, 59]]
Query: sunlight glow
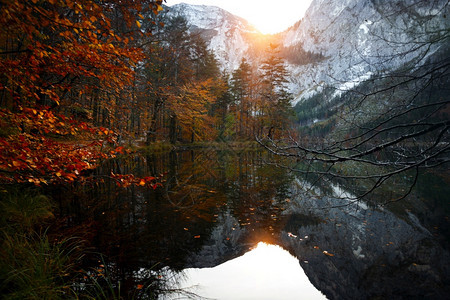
[[268, 16], [266, 272]]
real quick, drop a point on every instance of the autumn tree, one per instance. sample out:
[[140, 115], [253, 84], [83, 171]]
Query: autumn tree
[[181, 75], [70, 57], [221, 109]]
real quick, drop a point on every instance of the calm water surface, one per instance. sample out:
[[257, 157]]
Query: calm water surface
[[227, 225]]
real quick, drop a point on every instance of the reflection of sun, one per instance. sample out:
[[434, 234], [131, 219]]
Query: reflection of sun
[[265, 272]]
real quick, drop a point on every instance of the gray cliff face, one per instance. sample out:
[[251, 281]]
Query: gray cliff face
[[358, 38], [361, 38], [229, 36]]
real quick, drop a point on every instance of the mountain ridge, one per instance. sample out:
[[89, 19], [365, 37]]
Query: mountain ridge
[[348, 37], [226, 34]]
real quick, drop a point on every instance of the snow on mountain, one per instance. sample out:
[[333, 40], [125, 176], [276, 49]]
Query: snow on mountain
[[355, 38], [338, 30], [229, 36], [360, 38]]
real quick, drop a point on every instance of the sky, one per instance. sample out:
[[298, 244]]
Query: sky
[[269, 16]]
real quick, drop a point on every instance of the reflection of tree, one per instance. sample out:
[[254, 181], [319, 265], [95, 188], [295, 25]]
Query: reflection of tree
[[189, 185], [137, 229], [394, 124], [141, 231], [257, 193]]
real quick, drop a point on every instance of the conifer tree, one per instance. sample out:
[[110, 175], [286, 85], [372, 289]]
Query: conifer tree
[[275, 96]]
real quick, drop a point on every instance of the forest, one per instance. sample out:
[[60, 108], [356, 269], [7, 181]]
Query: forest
[[83, 82], [118, 119], [90, 72]]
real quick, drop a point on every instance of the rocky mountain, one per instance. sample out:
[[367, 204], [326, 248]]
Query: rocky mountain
[[229, 36], [360, 38], [337, 44]]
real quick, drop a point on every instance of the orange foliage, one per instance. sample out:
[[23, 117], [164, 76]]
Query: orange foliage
[[46, 46], [31, 156], [48, 50], [192, 107]]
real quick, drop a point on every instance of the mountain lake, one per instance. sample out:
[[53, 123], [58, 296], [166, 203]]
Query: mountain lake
[[230, 224]]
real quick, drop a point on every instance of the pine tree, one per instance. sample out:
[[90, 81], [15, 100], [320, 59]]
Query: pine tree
[[240, 86], [276, 98]]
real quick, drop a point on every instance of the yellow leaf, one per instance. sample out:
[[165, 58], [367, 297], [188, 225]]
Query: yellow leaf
[[140, 16], [58, 174], [142, 182], [160, 8], [138, 24], [16, 163]]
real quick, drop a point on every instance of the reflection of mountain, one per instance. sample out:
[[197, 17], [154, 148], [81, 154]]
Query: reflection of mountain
[[353, 252], [216, 205], [376, 254]]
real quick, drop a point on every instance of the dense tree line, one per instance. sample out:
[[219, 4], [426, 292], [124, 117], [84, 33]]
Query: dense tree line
[[297, 55], [258, 101], [120, 70]]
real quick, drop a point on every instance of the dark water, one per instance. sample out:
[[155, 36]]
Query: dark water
[[215, 206]]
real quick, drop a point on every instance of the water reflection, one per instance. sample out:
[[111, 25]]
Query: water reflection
[[265, 272], [216, 205]]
